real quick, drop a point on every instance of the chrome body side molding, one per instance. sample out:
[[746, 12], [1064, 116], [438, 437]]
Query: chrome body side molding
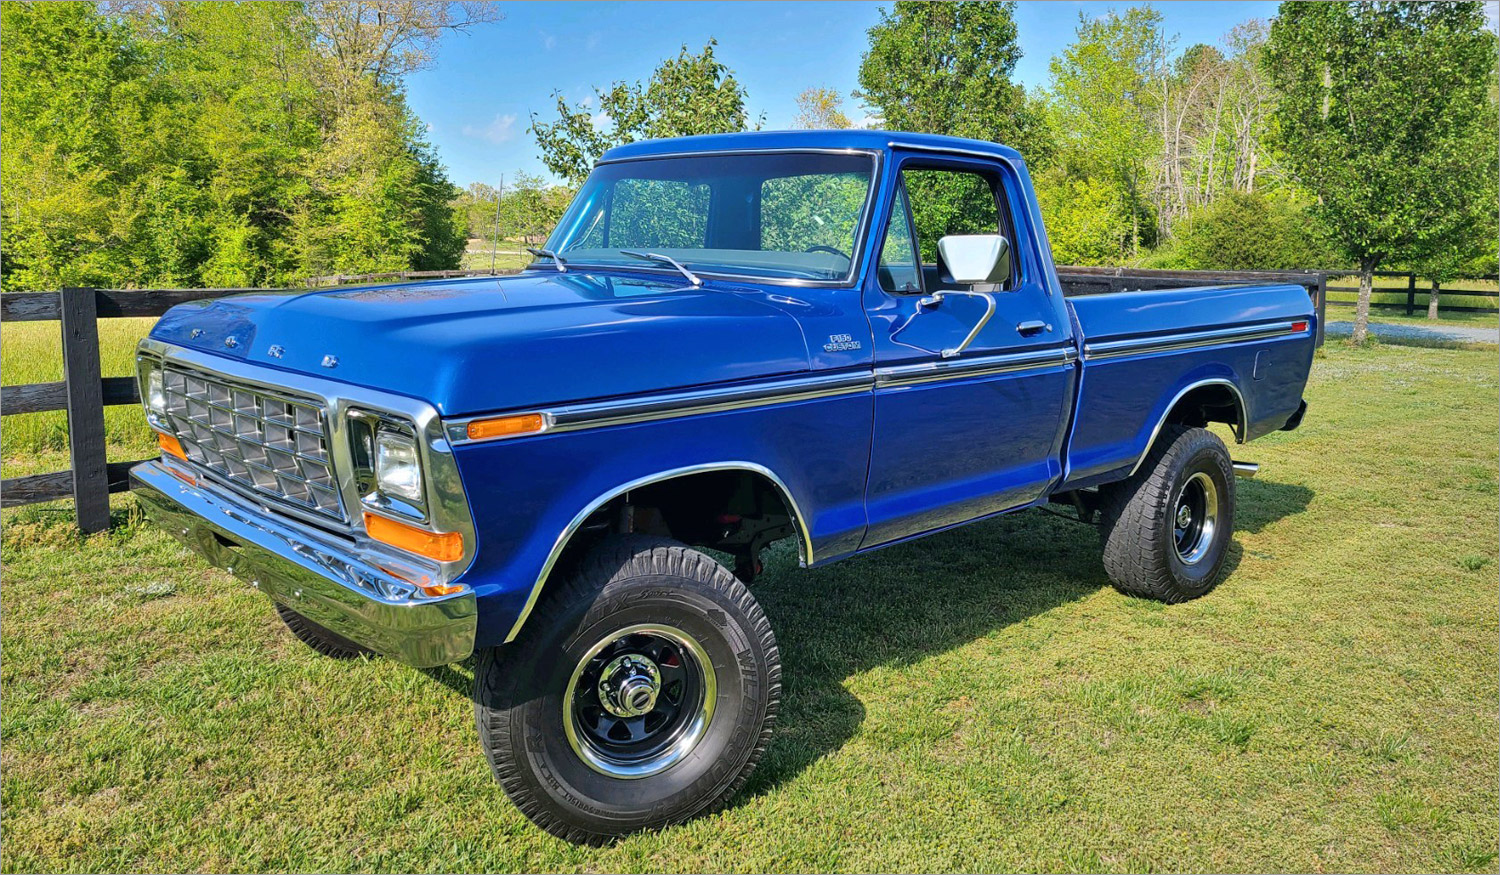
[[979, 366], [1187, 340], [805, 547]]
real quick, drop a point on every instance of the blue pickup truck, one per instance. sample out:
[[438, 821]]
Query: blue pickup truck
[[847, 339]]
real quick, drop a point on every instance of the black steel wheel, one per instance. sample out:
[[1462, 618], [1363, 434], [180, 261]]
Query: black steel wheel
[[1167, 528], [640, 693]]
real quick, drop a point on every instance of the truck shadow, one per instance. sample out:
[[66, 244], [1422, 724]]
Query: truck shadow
[[902, 604], [905, 603]]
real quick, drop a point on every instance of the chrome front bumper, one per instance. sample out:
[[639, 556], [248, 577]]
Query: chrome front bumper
[[311, 573]]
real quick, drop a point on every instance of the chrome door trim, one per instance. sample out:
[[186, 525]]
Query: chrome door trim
[[672, 405], [1239, 432], [1190, 339], [980, 366], [804, 546]]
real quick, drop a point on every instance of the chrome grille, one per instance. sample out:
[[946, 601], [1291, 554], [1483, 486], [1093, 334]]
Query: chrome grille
[[271, 444]]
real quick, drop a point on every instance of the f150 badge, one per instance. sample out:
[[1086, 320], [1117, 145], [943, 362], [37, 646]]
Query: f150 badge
[[840, 343]]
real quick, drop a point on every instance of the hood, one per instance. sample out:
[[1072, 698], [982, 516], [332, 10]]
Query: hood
[[477, 345]]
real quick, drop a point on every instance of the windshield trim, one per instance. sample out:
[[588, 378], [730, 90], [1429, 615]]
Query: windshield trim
[[856, 271]]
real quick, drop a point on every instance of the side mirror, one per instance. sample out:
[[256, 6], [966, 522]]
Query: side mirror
[[974, 259]]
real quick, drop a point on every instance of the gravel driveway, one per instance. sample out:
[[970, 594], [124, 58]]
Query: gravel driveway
[[1401, 331]]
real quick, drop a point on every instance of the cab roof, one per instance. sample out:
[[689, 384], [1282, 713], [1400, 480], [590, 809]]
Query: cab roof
[[841, 139]]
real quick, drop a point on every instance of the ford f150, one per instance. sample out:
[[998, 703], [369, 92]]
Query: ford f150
[[844, 338]]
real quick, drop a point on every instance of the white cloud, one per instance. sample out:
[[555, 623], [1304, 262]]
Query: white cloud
[[502, 129], [587, 101], [1492, 14], [869, 121], [600, 120], [549, 41]]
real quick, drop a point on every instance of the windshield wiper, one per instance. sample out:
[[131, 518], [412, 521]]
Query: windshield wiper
[[562, 266], [664, 259]]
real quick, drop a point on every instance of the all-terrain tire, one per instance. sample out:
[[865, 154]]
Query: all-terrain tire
[[324, 641], [1146, 551], [536, 735]]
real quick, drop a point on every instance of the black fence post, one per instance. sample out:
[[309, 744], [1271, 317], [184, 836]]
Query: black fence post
[[1320, 306], [78, 309], [1411, 293]]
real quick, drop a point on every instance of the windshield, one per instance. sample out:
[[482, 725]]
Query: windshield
[[793, 216]]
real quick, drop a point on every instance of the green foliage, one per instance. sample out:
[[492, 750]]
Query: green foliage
[[186, 144], [686, 95], [1248, 231], [1387, 115], [1087, 220], [821, 109], [945, 68], [1107, 89]]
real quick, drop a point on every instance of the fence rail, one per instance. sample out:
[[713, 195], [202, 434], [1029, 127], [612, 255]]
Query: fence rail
[[84, 392], [1411, 292]]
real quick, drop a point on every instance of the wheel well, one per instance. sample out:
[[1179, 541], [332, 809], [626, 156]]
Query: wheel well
[[1211, 402], [735, 511]]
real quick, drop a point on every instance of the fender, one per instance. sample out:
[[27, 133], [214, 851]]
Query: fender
[[804, 537], [1239, 429]]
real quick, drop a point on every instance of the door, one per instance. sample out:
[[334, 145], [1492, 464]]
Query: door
[[971, 433]]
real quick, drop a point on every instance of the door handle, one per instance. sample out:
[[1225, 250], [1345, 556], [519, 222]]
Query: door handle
[[1027, 329]]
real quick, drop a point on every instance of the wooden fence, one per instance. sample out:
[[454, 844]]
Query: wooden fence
[[1412, 292], [83, 392]]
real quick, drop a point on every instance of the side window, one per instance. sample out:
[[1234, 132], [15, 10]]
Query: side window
[[947, 202], [899, 269], [665, 213]]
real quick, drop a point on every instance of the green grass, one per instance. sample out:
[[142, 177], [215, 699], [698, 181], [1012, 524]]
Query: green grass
[[980, 699]]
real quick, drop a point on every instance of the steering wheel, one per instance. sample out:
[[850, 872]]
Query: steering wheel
[[829, 249]]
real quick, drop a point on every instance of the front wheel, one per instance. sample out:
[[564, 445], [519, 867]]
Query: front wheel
[[640, 694], [1167, 528]]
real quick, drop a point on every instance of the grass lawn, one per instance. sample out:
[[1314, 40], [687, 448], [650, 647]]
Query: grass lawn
[[978, 700]]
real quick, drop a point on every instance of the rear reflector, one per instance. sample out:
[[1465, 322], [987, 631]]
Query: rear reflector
[[505, 426], [442, 546], [1299, 326]]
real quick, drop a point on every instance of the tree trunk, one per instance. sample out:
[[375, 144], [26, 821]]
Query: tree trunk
[[1362, 309], [1432, 301]]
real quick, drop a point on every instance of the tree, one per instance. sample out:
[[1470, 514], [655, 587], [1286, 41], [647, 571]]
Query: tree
[[945, 68], [686, 95], [384, 40], [204, 144], [1385, 115], [1106, 105], [820, 109], [1245, 230]]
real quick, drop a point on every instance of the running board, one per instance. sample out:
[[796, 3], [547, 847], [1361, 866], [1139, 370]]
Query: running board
[[1245, 469]]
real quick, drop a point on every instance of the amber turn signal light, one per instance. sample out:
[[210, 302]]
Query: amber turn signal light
[[442, 546], [170, 445], [506, 426]]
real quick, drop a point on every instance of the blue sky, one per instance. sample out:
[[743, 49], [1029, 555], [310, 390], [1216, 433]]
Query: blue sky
[[479, 96]]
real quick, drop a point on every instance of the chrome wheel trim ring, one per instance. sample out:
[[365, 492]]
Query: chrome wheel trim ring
[[1195, 518], [686, 737]]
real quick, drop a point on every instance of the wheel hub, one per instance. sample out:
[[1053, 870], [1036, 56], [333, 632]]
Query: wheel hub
[[629, 685], [1184, 516]]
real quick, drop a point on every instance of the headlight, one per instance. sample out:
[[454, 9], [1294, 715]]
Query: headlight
[[398, 471], [153, 394], [156, 396]]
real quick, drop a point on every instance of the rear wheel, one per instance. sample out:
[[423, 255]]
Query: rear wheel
[[640, 694], [1167, 528]]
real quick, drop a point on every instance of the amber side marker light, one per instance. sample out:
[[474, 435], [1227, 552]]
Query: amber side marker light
[[442, 546], [170, 445], [424, 583], [506, 426]]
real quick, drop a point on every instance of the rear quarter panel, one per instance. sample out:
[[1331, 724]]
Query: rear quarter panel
[[1128, 382]]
